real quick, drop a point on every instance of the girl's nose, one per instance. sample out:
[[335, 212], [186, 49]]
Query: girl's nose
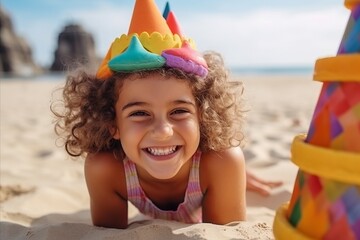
[[162, 129]]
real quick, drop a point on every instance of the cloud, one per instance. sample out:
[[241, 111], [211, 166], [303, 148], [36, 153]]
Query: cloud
[[270, 37]]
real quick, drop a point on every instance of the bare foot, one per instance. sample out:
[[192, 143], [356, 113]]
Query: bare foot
[[258, 185]]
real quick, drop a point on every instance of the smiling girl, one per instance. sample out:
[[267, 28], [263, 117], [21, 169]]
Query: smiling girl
[[160, 129]]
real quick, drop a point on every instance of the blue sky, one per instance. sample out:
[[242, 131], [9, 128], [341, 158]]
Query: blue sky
[[248, 33]]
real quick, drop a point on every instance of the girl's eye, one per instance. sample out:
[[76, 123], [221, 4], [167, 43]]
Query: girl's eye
[[138, 114], [180, 111]]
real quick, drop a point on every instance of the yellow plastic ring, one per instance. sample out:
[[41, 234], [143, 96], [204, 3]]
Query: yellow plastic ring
[[282, 229], [342, 68], [328, 163]]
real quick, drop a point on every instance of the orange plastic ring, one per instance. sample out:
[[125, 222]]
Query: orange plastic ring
[[342, 68]]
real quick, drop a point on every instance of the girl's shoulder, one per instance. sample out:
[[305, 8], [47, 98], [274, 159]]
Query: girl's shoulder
[[213, 160], [221, 166], [103, 162], [105, 170]]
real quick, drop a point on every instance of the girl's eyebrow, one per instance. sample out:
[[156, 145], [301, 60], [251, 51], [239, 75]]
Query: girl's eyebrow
[[131, 104], [184, 101], [179, 101]]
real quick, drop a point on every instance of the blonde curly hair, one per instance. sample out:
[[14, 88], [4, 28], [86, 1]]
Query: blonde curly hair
[[87, 112]]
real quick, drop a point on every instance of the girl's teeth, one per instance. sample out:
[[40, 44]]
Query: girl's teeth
[[162, 151]]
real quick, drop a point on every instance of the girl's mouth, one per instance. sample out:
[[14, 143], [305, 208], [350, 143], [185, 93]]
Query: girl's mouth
[[162, 151]]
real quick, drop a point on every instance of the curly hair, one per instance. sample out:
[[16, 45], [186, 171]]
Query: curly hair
[[87, 114]]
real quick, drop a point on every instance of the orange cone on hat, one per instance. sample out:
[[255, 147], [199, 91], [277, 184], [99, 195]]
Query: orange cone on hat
[[147, 18]]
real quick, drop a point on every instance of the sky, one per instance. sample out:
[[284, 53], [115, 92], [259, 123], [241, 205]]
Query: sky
[[248, 33]]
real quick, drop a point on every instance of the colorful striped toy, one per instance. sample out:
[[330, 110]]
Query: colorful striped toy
[[325, 202]]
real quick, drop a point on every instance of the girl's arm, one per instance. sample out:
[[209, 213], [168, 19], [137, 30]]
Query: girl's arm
[[224, 177], [107, 189]]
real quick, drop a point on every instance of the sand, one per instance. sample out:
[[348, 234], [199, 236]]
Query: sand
[[43, 194]]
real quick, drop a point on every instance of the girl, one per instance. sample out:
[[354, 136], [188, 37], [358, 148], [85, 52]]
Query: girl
[[163, 139]]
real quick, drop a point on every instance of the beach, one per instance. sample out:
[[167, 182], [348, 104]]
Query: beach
[[43, 194]]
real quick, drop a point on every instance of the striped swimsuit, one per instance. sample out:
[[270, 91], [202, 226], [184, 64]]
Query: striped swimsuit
[[188, 211]]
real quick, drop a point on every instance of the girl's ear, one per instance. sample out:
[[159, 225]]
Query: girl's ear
[[115, 133]]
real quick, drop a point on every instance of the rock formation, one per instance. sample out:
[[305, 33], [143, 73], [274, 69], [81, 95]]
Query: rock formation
[[15, 53], [75, 48]]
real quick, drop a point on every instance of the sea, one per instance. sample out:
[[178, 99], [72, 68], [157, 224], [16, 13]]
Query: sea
[[278, 70]]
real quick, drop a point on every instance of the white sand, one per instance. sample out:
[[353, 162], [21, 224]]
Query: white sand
[[43, 194]]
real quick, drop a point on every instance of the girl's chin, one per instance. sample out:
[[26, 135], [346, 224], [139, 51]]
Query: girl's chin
[[165, 166], [164, 170]]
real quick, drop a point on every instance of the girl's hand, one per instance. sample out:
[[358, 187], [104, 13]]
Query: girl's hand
[[260, 186]]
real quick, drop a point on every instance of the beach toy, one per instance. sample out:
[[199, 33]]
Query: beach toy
[[150, 35], [325, 203]]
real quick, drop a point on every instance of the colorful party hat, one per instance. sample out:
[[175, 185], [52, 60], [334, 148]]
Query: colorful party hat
[[325, 202], [150, 44]]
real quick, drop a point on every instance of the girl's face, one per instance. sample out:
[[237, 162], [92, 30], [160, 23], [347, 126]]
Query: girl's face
[[157, 124]]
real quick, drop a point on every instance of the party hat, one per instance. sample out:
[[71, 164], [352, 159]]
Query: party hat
[[150, 44], [325, 202]]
